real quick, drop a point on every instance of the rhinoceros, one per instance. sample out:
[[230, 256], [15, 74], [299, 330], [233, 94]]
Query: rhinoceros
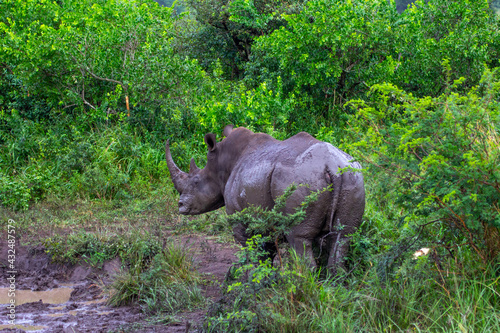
[[248, 168]]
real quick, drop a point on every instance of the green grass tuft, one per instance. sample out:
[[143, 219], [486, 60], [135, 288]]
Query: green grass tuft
[[168, 284]]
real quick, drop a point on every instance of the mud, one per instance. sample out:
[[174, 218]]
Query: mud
[[63, 298]]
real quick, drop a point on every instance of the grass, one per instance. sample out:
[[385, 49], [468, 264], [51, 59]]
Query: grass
[[167, 284], [159, 274], [296, 299], [384, 290], [63, 219]]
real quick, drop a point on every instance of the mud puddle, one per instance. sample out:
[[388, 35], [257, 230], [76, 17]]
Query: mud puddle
[[52, 310], [81, 308], [62, 298], [52, 296]]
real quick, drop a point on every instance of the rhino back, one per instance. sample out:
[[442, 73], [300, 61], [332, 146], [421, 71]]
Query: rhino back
[[265, 170]]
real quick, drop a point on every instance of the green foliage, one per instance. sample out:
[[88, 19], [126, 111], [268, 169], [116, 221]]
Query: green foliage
[[14, 193], [96, 248], [330, 51], [464, 32], [14, 95], [260, 109], [22, 178], [225, 30], [442, 157], [66, 160], [333, 51], [274, 223], [93, 56], [250, 297]]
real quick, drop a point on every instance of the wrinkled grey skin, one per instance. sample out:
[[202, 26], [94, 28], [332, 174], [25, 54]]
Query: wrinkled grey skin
[[249, 168]]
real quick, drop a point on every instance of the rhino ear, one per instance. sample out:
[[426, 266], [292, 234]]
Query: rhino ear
[[227, 130], [210, 141]]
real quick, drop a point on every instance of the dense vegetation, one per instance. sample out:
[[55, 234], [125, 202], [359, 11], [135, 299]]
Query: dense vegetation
[[90, 90]]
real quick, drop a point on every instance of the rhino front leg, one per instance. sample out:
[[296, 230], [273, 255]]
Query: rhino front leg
[[240, 234]]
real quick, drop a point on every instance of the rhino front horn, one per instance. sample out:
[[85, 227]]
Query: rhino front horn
[[178, 176]]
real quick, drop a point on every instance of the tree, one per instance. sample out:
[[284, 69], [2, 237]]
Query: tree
[[227, 28], [329, 52], [464, 32], [104, 57]]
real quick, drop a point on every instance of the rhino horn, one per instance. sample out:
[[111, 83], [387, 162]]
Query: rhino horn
[[227, 130], [193, 168], [178, 176]]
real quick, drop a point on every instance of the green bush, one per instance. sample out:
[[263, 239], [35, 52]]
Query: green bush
[[440, 156], [67, 159], [223, 31], [464, 32], [88, 59], [14, 193], [326, 54], [135, 250], [14, 95]]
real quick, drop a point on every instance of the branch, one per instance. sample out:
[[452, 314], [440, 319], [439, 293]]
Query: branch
[[85, 102], [68, 106], [125, 86]]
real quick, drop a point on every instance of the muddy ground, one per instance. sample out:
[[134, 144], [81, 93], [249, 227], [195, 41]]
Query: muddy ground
[[86, 309]]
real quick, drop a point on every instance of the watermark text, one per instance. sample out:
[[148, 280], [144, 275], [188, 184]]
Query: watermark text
[[11, 272]]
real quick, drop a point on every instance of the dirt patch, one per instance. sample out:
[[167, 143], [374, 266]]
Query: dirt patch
[[86, 309]]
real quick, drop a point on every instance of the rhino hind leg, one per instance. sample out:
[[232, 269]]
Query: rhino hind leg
[[302, 237], [303, 247], [346, 220], [339, 248]]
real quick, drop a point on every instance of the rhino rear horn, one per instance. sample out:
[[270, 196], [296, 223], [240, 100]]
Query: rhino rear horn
[[227, 130], [193, 168], [178, 176]]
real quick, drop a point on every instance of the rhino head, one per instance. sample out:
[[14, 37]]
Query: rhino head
[[200, 190]]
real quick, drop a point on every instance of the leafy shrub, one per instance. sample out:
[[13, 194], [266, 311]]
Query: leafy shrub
[[326, 54], [67, 158], [95, 248], [464, 32], [14, 95], [14, 193], [224, 31], [103, 61], [441, 157]]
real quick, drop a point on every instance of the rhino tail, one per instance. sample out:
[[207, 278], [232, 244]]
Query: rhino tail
[[334, 180]]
